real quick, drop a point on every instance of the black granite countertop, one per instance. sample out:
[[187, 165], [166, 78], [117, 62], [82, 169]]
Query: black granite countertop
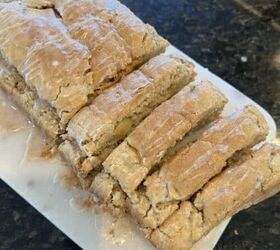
[[239, 40]]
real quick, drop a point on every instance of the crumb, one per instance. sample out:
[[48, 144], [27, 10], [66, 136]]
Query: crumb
[[71, 180], [87, 203], [112, 232], [47, 153], [236, 232]]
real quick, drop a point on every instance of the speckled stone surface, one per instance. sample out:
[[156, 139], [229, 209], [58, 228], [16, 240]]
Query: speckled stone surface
[[240, 42]]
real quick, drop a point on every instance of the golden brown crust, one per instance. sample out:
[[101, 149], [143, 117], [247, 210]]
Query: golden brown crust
[[206, 157], [237, 187], [159, 132], [157, 191], [50, 61], [272, 185], [207, 102], [113, 114], [40, 4], [118, 40], [112, 43]]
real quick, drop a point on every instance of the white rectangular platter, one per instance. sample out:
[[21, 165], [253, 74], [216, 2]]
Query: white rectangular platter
[[41, 182]]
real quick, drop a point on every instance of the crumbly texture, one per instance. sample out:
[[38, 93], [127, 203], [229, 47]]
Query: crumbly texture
[[39, 4], [71, 153], [99, 127], [145, 147], [118, 40], [180, 231], [40, 112], [58, 72], [197, 163], [52, 64], [271, 186], [228, 132], [237, 187], [108, 192], [32, 3], [145, 215], [174, 118], [53, 67]]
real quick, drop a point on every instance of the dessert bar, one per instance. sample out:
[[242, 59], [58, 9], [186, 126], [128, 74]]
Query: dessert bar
[[118, 40], [239, 186], [98, 128], [152, 140], [142, 135], [148, 143], [75, 66], [39, 111], [184, 173], [53, 65], [197, 163]]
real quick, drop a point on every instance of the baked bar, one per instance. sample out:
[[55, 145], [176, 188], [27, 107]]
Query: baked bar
[[40, 4], [118, 40], [145, 147], [54, 66], [56, 56], [237, 187], [271, 186], [193, 106], [174, 181], [40, 112], [97, 129], [197, 163]]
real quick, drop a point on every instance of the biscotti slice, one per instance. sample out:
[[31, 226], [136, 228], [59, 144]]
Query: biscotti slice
[[237, 187], [271, 186], [98, 128], [39, 111], [240, 184], [188, 170], [144, 148], [40, 4], [118, 40], [192, 166], [53, 65]]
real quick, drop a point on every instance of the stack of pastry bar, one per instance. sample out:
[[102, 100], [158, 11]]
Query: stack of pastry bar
[[141, 134]]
